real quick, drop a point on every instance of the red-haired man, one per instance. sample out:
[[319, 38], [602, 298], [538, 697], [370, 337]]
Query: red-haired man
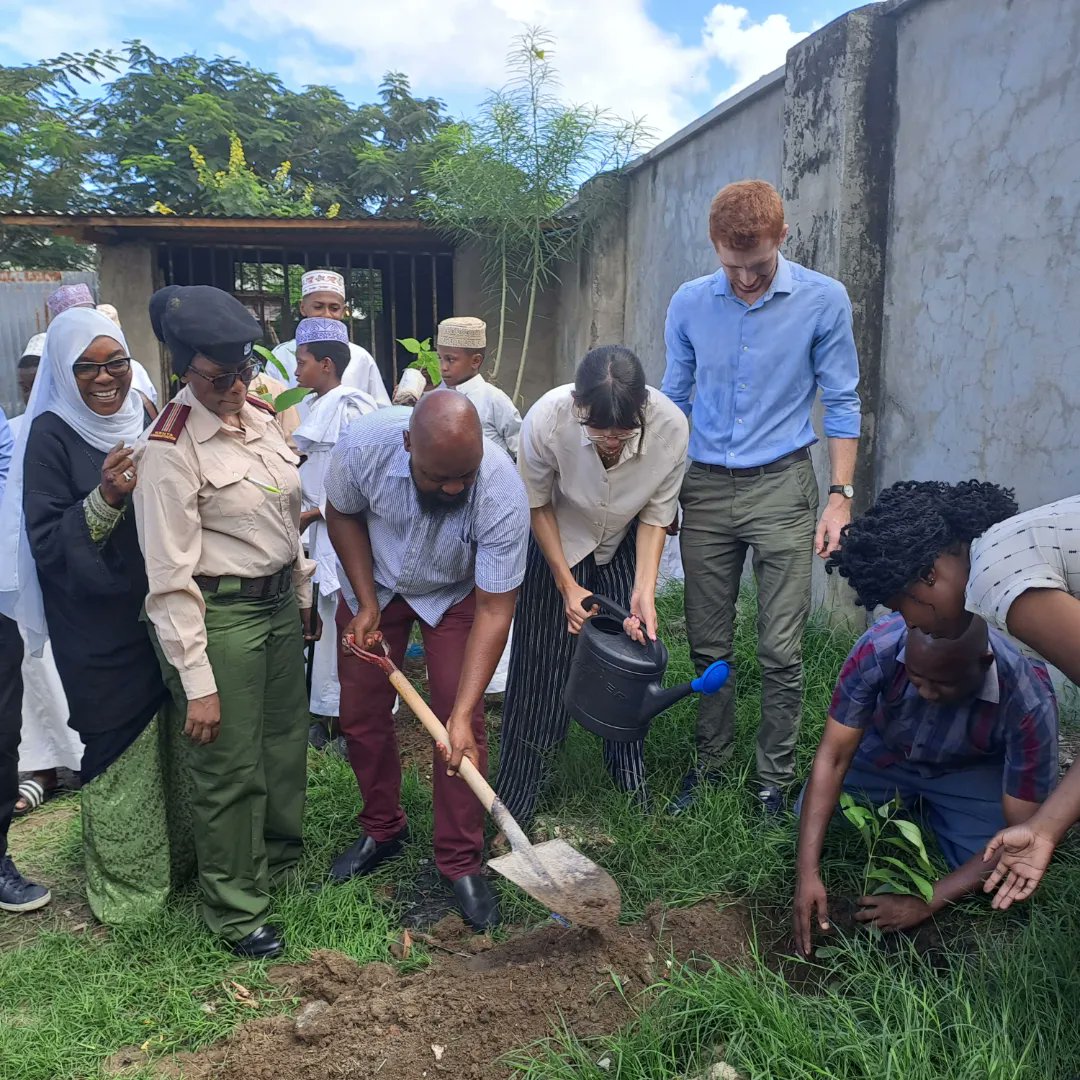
[[748, 349]]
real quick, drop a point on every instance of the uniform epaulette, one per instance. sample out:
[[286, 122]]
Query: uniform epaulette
[[170, 422], [260, 404]]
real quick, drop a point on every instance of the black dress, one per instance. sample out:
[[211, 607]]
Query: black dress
[[93, 596]]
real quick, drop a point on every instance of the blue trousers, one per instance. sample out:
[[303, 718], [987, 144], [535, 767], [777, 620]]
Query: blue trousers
[[963, 808]]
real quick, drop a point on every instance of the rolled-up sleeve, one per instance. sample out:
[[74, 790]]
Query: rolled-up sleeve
[[681, 368], [536, 464], [836, 366], [663, 505], [166, 503], [502, 533]]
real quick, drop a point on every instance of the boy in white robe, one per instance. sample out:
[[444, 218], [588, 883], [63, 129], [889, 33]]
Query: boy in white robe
[[322, 296], [322, 355], [461, 344]]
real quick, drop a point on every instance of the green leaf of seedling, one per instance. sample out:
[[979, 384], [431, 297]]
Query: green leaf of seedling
[[410, 344], [827, 952], [911, 832], [268, 398], [922, 885], [290, 398], [885, 811], [889, 881], [270, 360], [887, 889]]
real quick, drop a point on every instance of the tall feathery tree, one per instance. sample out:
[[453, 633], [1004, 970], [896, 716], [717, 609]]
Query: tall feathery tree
[[515, 168]]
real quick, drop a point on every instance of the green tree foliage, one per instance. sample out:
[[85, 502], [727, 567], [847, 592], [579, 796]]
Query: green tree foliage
[[46, 152], [366, 159]]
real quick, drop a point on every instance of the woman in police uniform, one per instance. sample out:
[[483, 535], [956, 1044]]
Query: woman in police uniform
[[218, 510]]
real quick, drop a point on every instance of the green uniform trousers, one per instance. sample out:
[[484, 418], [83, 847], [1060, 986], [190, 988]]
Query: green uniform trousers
[[248, 785], [775, 515]]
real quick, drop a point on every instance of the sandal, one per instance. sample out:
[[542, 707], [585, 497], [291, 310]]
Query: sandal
[[32, 794]]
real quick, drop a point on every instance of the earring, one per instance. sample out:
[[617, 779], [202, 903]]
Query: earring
[[931, 578]]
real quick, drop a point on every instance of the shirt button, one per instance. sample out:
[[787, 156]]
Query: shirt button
[[742, 386], [738, 421], [746, 348]]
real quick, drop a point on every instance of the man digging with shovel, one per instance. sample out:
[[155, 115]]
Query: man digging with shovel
[[430, 523]]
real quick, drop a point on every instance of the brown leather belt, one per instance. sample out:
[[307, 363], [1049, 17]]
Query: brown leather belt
[[260, 588], [779, 465]]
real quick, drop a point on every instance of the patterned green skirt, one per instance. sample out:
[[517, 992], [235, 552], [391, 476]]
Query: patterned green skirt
[[136, 823]]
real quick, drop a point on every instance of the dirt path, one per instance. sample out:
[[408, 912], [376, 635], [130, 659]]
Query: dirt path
[[473, 1005]]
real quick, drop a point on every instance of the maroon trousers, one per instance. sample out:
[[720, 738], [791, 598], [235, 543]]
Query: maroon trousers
[[367, 698]]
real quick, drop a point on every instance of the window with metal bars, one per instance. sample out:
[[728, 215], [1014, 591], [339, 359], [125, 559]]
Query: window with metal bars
[[389, 294]]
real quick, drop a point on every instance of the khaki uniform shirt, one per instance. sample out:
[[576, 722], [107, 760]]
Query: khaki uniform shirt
[[289, 420], [594, 506], [220, 501]]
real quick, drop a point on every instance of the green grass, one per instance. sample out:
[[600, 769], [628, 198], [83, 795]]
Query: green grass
[[71, 994]]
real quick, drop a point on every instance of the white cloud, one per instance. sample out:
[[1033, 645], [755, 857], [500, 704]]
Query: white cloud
[[748, 48], [36, 32], [607, 52]]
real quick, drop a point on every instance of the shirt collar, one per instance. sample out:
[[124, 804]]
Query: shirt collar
[[782, 282], [399, 463], [990, 689], [470, 384], [204, 425]]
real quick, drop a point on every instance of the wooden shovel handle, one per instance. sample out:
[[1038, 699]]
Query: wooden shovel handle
[[467, 770]]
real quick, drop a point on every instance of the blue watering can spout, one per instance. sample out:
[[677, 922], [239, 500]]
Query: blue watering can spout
[[712, 678]]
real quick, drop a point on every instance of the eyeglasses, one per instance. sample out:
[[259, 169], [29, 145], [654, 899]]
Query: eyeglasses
[[221, 383], [609, 436], [87, 371]]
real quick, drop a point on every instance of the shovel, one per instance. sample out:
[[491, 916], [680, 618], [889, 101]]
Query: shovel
[[553, 872]]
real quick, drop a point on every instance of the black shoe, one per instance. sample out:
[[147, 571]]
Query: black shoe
[[261, 944], [317, 736], [16, 893], [365, 855], [691, 784], [771, 798], [478, 902]]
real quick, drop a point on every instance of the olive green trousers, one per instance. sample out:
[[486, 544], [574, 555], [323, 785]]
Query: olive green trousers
[[248, 785]]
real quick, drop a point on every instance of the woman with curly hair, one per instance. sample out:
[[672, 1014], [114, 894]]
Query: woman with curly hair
[[943, 553]]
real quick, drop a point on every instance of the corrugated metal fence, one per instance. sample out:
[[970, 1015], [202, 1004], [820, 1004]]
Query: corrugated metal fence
[[22, 314]]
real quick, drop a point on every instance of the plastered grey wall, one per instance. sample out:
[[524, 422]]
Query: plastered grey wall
[[667, 216], [981, 343], [128, 278]]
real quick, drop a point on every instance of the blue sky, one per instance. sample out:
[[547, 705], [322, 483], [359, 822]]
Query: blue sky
[[664, 60]]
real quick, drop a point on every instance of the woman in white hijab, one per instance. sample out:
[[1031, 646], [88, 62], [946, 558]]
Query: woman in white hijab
[[71, 571]]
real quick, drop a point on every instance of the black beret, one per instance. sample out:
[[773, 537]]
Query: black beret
[[192, 319]]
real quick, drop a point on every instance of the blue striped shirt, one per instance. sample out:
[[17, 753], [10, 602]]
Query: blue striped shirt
[[747, 375], [432, 561]]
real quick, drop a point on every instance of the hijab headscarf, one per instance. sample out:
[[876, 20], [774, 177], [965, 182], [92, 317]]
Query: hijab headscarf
[[55, 390]]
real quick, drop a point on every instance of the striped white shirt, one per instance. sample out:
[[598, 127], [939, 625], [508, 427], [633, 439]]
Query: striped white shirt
[[1039, 549], [432, 561]]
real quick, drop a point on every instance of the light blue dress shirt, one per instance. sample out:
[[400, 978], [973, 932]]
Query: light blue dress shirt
[[747, 375], [7, 449]]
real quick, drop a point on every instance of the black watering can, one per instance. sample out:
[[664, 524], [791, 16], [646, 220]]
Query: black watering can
[[614, 685]]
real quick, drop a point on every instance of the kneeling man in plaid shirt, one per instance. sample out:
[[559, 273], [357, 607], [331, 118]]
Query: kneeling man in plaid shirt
[[964, 731]]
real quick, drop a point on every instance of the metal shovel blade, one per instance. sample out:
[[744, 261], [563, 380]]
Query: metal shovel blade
[[564, 881]]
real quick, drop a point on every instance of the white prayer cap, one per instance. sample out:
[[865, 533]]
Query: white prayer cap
[[463, 333], [109, 312], [322, 281], [35, 346], [69, 296]]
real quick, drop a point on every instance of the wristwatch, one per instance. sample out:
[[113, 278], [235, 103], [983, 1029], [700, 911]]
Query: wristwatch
[[842, 489]]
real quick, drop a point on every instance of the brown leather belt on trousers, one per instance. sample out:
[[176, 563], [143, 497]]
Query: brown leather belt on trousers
[[779, 465], [238, 588]]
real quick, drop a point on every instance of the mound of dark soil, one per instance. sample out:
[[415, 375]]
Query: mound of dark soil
[[475, 1003]]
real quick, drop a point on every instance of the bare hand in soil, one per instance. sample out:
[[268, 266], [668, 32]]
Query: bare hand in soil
[[810, 899], [890, 912], [462, 744], [364, 629], [575, 613], [203, 719], [1024, 856]]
